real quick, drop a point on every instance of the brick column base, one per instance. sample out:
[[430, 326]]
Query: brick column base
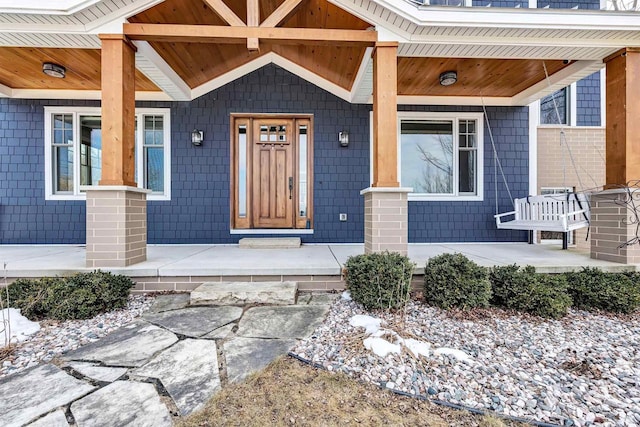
[[116, 226], [613, 223], [385, 219]]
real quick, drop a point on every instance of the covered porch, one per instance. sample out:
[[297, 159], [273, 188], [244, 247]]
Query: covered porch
[[316, 267]]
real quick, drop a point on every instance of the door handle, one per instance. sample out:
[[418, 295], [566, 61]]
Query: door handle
[[290, 187]]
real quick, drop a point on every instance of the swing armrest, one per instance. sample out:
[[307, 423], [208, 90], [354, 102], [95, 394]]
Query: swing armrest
[[581, 211], [499, 216]]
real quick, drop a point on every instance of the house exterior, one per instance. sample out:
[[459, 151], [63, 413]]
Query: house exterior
[[342, 121]]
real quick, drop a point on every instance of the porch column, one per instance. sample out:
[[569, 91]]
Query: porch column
[[116, 208], [385, 203], [613, 212]]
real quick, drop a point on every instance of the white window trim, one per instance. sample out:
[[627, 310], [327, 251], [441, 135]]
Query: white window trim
[[455, 116], [83, 111]]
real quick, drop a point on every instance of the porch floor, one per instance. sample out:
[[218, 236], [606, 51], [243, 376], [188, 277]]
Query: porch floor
[[310, 259]]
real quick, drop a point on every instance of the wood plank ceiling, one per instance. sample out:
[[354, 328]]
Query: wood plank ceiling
[[197, 63], [21, 68]]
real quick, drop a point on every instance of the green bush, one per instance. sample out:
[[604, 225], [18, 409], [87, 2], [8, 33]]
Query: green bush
[[453, 280], [80, 296], [379, 280], [593, 289], [523, 289]]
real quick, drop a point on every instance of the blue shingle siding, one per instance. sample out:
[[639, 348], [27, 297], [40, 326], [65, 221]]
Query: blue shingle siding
[[198, 211], [588, 101], [570, 4], [501, 3], [473, 221]]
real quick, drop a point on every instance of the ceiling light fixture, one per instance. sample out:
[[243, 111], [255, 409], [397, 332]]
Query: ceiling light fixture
[[53, 70], [448, 78]]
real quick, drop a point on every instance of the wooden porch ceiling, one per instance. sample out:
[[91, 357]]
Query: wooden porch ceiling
[[476, 77], [21, 68]]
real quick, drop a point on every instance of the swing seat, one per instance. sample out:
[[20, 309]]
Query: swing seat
[[562, 213]]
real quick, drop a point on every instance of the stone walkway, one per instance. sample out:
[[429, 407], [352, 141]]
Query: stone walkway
[[169, 363]]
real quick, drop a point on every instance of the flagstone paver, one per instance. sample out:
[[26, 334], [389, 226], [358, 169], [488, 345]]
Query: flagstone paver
[[188, 371], [247, 355], [234, 293], [55, 419], [35, 392], [132, 345], [169, 302], [220, 333], [96, 372], [195, 322], [293, 321], [122, 403]]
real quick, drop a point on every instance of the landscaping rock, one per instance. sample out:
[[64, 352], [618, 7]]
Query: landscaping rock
[[195, 322], [281, 322], [132, 345], [35, 392], [122, 403], [188, 371]]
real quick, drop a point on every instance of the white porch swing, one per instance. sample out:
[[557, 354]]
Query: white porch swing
[[557, 212]]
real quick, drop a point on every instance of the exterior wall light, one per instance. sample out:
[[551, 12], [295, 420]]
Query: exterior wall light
[[197, 136], [53, 70], [448, 78], [343, 138]]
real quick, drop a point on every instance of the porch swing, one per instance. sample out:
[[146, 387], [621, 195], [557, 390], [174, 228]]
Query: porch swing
[[556, 213]]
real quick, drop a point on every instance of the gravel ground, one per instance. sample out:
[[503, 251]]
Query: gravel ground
[[581, 370], [55, 337]]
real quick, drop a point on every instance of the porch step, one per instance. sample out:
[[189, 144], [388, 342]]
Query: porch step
[[235, 293], [269, 243]]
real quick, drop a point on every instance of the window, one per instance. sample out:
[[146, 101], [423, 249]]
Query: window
[[73, 151], [548, 104], [441, 155]]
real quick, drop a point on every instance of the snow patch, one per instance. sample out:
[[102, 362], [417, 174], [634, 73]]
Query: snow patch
[[457, 354], [417, 348], [346, 296], [369, 323], [20, 327], [381, 347]]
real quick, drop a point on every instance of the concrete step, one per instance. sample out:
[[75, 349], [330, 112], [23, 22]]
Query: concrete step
[[235, 293], [269, 243]]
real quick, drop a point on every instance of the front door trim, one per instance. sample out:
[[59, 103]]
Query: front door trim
[[243, 139]]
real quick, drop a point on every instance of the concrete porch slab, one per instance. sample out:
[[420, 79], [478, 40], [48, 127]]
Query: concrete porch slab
[[236, 293]]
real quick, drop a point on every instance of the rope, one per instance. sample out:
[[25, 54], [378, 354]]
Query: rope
[[497, 165]]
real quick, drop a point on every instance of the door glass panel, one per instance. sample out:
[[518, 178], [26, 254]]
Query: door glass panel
[[242, 171], [302, 175]]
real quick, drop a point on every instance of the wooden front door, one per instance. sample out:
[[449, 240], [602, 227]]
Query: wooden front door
[[273, 173]]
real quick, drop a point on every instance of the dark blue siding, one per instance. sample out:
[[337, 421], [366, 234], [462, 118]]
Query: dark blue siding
[[501, 3], [473, 221], [570, 4], [198, 211], [588, 101]]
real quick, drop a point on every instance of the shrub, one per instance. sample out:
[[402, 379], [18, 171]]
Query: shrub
[[453, 280], [592, 289], [80, 296], [379, 280], [523, 289]]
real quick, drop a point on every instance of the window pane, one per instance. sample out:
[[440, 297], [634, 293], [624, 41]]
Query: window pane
[[90, 150], [467, 174], [63, 160], [153, 134], [548, 114], [154, 170], [302, 183], [242, 171], [427, 156]]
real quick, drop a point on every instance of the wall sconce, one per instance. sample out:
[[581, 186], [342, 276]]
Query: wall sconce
[[343, 138], [197, 136], [53, 70], [448, 78]]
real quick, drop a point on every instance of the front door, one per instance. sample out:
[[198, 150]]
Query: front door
[[273, 173]]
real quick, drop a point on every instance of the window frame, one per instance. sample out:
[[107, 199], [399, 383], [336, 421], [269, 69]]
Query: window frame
[[455, 118], [76, 112], [570, 107]]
